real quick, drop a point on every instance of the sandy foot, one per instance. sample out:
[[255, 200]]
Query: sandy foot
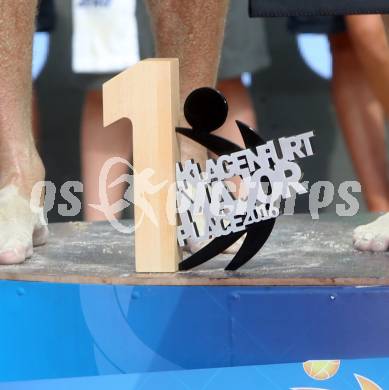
[[373, 236], [21, 228]]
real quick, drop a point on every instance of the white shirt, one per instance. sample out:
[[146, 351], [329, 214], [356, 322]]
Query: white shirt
[[105, 36]]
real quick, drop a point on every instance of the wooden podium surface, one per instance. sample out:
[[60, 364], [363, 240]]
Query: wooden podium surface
[[299, 252]]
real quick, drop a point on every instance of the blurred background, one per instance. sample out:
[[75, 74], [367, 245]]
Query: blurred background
[[290, 96]]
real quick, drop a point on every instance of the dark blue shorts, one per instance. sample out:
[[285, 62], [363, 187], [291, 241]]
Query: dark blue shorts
[[45, 20], [316, 24]]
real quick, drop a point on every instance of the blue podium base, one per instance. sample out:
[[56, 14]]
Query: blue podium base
[[64, 330], [285, 376]]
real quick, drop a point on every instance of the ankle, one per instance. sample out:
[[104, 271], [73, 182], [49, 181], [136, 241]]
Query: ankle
[[378, 204], [25, 170]]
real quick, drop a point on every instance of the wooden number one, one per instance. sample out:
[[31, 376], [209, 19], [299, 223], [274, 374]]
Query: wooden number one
[[148, 95]]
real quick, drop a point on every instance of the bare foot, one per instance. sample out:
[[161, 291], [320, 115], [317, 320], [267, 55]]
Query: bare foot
[[195, 246], [21, 227], [373, 236], [20, 165]]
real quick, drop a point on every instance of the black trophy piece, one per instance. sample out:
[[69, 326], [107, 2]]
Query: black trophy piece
[[206, 110]]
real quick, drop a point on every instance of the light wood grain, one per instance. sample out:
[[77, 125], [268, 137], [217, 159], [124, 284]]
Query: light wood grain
[[148, 95]]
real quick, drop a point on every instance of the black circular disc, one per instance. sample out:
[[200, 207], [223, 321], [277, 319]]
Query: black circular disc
[[205, 109]]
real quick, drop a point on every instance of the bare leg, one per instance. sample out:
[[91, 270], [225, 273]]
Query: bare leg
[[367, 33], [98, 145], [362, 121], [240, 108], [179, 30], [371, 45], [191, 31], [35, 117], [20, 164]]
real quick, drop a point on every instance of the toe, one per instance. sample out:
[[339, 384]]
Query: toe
[[379, 243], [358, 233], [14, 256], [363, 244], [29, 252], [40, 235]]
